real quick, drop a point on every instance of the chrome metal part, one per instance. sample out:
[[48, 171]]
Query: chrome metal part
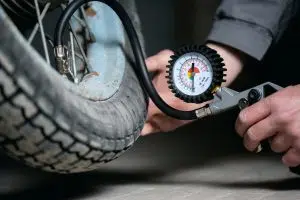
[[97, 41], [45, 46], [61, 60], [80, 48], [226, 98], [90, 36], [36, 27], [203, 112], [72, 60]]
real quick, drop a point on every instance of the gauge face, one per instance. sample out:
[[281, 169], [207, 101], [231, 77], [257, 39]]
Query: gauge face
[[192, 74]]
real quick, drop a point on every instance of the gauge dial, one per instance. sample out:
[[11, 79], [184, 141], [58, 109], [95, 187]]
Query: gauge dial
[[195, 72], [192, 74]]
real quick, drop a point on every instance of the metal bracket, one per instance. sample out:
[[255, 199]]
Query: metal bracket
[[226, 98]]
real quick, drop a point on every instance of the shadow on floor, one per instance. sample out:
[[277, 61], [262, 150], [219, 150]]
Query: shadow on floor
[[84, 185], [280, 184], [148, 162]]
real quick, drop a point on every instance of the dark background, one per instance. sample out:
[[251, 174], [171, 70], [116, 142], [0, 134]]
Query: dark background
[[201, 144]]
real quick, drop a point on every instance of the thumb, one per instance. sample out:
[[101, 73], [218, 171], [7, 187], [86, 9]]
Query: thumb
[[148, 129], [153, 110], [158, 62]]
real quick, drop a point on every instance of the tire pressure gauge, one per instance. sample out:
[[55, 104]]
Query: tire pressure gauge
[[195, 73]]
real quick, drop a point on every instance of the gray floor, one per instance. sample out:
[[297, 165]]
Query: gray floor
[[201, 162]]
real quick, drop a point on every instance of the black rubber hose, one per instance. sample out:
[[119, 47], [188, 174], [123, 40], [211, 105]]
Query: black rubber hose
[[137, 50]]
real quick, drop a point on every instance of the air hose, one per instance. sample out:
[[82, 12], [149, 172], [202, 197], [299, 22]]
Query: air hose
[[141, 69]]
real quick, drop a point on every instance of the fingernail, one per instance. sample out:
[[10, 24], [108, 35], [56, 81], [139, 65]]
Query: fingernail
[[145, 132], [258, 149], [287, 162]]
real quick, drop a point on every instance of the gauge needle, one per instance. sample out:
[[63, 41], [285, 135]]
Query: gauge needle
[[193, 76]]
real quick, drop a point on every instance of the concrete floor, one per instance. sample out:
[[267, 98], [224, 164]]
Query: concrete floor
[[201, 162]]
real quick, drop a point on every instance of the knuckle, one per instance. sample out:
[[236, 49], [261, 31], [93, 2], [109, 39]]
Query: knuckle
[[292, 129], [289, 88], [275, 146], [166, 52], [268, 103], [242, 118], [281, 118], [289, 129], [151, 61]]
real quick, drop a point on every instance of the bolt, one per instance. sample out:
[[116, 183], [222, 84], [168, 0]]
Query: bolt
[[254, 96], [243, 103]]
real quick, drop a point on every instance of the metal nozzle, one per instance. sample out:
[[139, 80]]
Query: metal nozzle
[[61, 59], [59, 51], [203, 112]]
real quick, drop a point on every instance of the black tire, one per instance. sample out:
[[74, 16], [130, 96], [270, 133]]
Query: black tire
[[48, 124]]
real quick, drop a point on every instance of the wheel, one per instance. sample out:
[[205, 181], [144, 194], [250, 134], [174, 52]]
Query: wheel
[[62, 126]]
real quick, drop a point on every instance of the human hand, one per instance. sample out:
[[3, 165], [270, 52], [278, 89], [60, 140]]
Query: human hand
[[157, 121], [277, 118]]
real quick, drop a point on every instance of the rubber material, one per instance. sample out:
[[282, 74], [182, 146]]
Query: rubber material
[[218, 69], [47, 123], [140, 68]]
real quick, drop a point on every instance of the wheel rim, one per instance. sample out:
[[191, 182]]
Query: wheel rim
[[95, 41]]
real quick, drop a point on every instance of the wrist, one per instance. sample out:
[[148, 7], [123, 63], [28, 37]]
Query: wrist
[[233, 59]]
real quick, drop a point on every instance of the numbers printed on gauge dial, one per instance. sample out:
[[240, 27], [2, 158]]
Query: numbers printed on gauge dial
[[195, 73], [192, 74]]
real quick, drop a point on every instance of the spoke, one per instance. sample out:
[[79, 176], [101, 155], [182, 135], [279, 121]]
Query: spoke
[[80, 48], [35, 29], [78, 55], [73, 57], [50, 42], [88, 30], [52, 45], [42, 31], [89, 68], [80, 21]]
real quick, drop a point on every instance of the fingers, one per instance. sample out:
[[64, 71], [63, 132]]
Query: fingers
[[149, 128], [259, 132], [291, 158], [157, 121], [281, 143], [251, 115], [152, 110], [158, 62]]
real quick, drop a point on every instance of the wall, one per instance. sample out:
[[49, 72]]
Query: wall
[[171, 23]]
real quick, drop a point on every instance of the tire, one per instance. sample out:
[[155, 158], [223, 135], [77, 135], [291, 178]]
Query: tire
[[47, 123]]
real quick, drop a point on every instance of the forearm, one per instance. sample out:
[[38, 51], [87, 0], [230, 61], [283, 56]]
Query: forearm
[[252, 26]]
